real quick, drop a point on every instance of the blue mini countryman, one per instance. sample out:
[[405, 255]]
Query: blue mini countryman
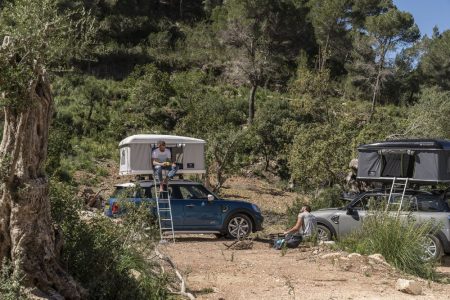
[[194, 208]]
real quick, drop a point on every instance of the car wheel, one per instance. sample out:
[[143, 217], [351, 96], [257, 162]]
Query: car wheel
[[323, 233], [239, 226], [432, 247]]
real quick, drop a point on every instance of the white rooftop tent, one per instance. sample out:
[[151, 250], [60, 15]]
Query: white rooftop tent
[[136, 151]]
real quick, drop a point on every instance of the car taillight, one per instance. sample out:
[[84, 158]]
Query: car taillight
[[115, 208]]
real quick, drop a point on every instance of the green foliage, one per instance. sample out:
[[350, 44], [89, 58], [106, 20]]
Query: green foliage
[[325, 198], [320, 154], [272, 131], [10, 283], [436, 60], [399, 240], [429, 116], [103, 255], [224, 154], [37, 36]]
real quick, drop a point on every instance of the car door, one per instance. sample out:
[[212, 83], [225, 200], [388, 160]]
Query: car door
[[351, 219], [199, 213], [176, 206]]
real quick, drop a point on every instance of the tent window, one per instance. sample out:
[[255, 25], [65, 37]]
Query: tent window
[[123, 157], [397, 165]]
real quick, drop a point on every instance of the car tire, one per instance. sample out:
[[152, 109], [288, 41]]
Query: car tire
[[239, 226], [323, 233], [433, 248]]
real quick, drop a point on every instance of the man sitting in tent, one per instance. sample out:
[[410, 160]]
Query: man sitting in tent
[[161, 158]]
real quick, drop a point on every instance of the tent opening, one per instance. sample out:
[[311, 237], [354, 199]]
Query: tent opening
[[397, 165]]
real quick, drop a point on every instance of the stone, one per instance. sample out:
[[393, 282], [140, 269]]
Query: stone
[[408, 286], [136, 274], [354, 255], [331, 255], [378, 257], [327, 242]]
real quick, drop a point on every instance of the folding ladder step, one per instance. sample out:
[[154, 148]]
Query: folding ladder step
[[166, 219], [164, 209]]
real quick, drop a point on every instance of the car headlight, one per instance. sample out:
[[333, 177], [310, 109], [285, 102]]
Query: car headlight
[[256, 208]]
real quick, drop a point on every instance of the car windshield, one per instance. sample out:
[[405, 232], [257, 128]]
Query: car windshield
[[193, 192], [422, 202]]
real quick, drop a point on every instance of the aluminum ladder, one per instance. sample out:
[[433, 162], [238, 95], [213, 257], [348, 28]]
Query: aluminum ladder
[[398, 187], [164, 209]]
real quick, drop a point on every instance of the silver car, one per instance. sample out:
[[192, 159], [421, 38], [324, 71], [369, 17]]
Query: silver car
[[421, 205]]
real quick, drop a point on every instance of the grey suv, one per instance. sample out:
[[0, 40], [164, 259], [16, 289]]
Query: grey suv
[[421, 205]]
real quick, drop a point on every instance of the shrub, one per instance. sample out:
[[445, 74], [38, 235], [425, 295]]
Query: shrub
[[399, 240], [10, 288], [103, 255], [328, 197]]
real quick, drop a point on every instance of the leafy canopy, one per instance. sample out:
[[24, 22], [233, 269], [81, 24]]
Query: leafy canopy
[[37, 36]]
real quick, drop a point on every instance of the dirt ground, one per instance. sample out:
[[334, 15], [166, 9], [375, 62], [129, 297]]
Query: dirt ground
[[215, 272]]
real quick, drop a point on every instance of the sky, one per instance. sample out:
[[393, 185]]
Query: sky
[[427, 13]]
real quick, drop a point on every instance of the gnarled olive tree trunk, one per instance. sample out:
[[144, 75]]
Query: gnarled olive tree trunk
[[27, 236]]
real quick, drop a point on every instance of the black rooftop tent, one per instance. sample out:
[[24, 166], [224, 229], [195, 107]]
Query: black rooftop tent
[[422, 161]]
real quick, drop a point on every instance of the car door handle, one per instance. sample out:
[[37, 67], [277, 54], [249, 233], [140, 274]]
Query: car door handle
[[190, 205]]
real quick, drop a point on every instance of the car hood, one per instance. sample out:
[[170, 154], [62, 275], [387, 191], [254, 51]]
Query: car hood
[[328, 209], [325, 211]]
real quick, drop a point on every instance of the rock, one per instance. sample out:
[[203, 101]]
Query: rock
[[378, 258], [316, 252], [354, 255], [353, 164], [408, 286], [136, 274], [331, 255], [327, 242], [366, 270]]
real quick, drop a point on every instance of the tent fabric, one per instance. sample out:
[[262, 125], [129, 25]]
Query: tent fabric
[[135, 154], [397, 165], [424, 166], [369, 164], [427, 166]]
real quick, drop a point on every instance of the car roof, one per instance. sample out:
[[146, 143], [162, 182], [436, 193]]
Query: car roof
[[147, 183], [437, 193]]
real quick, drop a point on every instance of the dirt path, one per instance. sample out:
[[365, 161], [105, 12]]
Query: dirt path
[[214, 272]]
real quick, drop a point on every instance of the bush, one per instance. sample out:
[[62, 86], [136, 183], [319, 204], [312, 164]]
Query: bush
[[328, 197], [10, 283], [399, 240], [103, 255]]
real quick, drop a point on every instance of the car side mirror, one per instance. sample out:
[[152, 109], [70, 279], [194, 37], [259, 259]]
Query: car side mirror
[[210, 197], [350, 211]]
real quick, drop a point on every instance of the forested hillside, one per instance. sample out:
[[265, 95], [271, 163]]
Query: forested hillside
[[298, 83], [289, 87]]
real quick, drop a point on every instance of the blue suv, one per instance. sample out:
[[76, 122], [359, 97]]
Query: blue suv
[[194, 208]]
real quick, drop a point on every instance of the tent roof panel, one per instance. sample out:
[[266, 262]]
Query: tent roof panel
[[413, 144], [154, 138]]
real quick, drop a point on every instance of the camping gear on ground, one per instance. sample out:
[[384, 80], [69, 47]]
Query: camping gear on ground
[[422, 161], [136, 151], [288, 241]]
